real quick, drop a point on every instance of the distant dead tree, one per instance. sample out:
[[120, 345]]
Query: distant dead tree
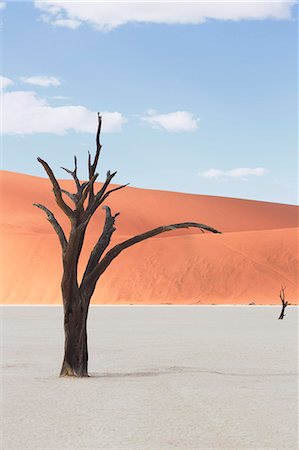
[[283, 301], [76, 295]]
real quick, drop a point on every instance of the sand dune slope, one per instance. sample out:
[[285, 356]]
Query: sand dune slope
[[254, 256]]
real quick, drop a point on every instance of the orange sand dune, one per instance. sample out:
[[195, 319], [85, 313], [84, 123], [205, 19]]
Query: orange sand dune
[[248, 263]]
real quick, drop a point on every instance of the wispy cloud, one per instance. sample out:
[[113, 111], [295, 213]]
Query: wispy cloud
[[28, 113], [41, 80], [4, 82], [240, 172], [2, 5], [105, 15], [72, 24], [56, 20], [174, 121]]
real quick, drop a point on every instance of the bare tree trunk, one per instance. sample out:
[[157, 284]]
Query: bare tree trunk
[[75, 361], [76, 297], [283, 302], [282, 314]]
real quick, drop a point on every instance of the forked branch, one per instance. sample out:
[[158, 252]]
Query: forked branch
[[102, 243], [73, 173], [96, 200], [86, 188], [91, 279]]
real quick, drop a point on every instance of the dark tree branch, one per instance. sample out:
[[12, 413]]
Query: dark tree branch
[[73, 197], [53, 221], [108, 180], [98, 145], [92, 166], [97, 200], [56, 189], [88, 188], [92, 278], [73, 173], [83, 185], [102, 243], [113, 190], [89, 163], [82, 189]]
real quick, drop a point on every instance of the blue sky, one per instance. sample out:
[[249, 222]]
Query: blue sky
[[198, 98]]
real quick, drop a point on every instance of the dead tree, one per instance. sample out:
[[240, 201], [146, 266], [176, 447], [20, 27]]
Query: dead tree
[[76, 295], [283, 301]]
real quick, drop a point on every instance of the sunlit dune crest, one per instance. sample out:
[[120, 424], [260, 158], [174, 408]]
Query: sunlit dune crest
[[248, 263]]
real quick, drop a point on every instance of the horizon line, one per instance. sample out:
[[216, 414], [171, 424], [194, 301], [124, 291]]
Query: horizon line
[[157, 189]]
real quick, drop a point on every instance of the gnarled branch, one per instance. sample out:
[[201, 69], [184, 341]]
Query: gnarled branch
[[56, 189], [53, 221], [100, 268]]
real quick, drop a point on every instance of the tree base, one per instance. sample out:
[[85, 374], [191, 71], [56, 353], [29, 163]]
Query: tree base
[[68, 371]]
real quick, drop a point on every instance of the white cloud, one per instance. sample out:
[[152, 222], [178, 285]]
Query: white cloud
[[4, 82], [106, 15], [24, 112], [41, 80], [55, 19], [174, 121], [240, 172], [2, 5], [73, 24]]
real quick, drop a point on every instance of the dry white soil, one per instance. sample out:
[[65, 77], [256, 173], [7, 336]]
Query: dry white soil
[[161, 378]]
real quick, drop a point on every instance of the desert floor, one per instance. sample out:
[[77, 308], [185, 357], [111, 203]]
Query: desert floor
[[161, 378]]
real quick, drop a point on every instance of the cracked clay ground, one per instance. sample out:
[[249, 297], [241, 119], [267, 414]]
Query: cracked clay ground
[[161, 378]]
